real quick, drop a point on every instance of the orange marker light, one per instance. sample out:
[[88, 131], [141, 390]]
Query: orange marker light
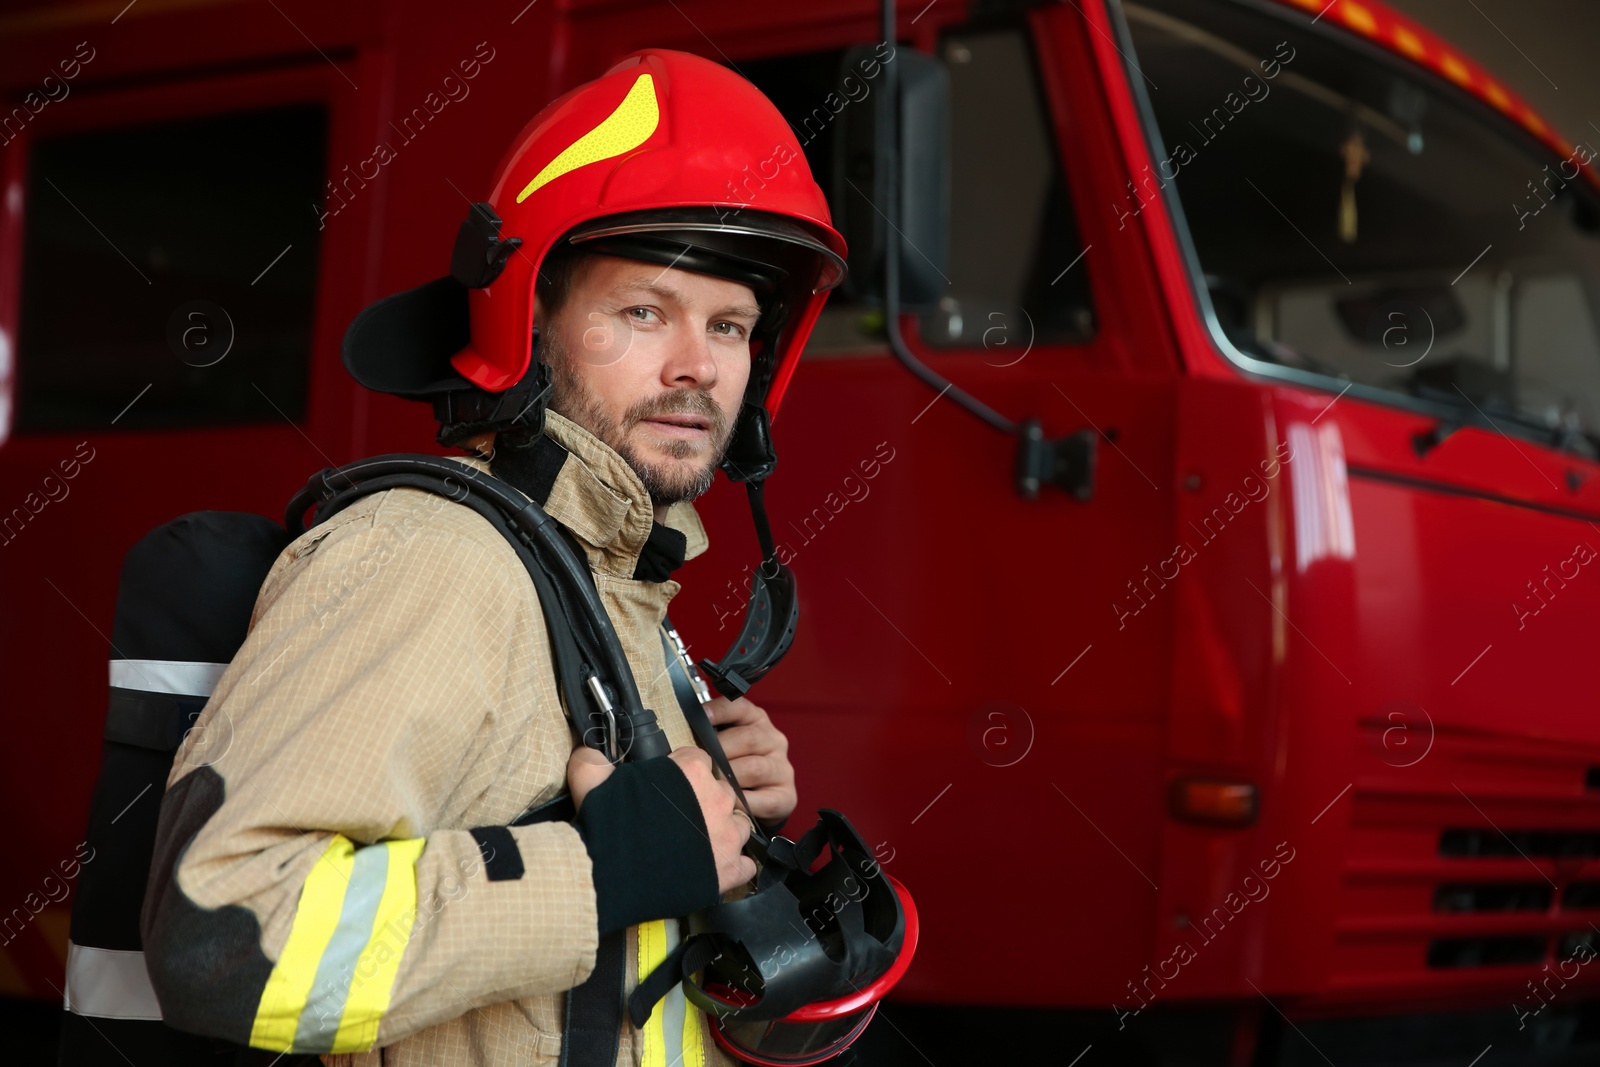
[[1214, 801]]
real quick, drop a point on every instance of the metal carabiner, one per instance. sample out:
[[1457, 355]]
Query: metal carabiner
[[600, 698]]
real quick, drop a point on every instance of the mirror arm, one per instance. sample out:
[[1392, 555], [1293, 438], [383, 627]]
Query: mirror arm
[[1428, 440], [1066, 462]]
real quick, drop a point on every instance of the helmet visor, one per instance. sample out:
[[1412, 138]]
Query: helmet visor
[[769, 247]]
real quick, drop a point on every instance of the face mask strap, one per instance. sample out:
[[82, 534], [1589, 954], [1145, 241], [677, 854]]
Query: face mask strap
[[774, 608]]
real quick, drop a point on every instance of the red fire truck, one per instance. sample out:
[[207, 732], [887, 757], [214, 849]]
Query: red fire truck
[[1201, 638]]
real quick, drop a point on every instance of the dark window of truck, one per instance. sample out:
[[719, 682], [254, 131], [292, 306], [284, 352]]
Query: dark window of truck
[[1353, 217], [169, 272], [1012, 232]]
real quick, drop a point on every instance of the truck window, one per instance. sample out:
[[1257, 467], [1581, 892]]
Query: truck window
[[1359, 220], [1012, 231], [147, 250]]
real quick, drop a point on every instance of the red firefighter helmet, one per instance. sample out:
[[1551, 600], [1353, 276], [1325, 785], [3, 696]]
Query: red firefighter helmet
[[667, 157], [681, 147]]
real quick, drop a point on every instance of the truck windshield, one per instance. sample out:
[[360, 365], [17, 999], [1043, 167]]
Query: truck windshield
[[1362, 220]]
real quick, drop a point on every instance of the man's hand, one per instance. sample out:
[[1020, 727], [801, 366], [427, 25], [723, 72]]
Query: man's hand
[[728, 830], [586, 769], [759, 755], [729, 827]]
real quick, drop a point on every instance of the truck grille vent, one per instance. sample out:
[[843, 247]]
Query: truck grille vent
[[1485, 951], [1495, 896], [1581, 896], [1479, 842]]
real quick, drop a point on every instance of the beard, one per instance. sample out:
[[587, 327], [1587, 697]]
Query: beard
[[571, 396]]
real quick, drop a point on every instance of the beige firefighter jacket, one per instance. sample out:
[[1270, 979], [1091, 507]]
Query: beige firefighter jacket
[[315, 886]]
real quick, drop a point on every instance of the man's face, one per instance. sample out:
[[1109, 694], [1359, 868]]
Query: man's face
[[653, 361]]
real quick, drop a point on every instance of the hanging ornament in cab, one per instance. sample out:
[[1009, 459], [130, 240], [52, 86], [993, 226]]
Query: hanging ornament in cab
[[1356, 157]]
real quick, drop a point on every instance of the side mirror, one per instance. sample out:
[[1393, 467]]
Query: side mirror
[[859, 190]]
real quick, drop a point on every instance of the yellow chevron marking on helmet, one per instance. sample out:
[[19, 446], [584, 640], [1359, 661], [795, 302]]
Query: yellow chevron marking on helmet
[[625, 129]]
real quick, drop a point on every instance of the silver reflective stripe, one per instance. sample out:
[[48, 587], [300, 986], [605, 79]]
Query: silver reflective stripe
[[109, 984], [672, 1007], [325, 1004], [175, 676]]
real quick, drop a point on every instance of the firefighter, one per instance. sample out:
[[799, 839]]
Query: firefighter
[[351, 873]]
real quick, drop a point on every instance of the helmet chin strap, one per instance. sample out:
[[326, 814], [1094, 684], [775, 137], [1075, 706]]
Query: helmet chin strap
[[774, 607], [516, 415]]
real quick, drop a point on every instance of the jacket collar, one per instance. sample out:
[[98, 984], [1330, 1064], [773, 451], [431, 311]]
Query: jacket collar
[[597, 496]]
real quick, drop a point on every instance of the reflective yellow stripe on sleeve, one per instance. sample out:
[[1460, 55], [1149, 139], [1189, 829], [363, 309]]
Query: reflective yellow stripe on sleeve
[[672, 1036], [379, 963], [652, 950], [694, 1023], [315, 918], [333, 980]]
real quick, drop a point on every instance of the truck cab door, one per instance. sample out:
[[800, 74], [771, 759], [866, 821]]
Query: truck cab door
[[1382, 262]]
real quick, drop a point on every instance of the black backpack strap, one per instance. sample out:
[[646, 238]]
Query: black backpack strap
[[557, 568], [691, 955], [156, 721], [592, 1029], [557, 809], [593, 1026]]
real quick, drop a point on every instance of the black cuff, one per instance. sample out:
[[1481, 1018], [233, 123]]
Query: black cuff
[[648, 845]]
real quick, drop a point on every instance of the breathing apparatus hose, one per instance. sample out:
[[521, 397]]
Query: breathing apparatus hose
[[571, 649], [647, 739], [566, 577]]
